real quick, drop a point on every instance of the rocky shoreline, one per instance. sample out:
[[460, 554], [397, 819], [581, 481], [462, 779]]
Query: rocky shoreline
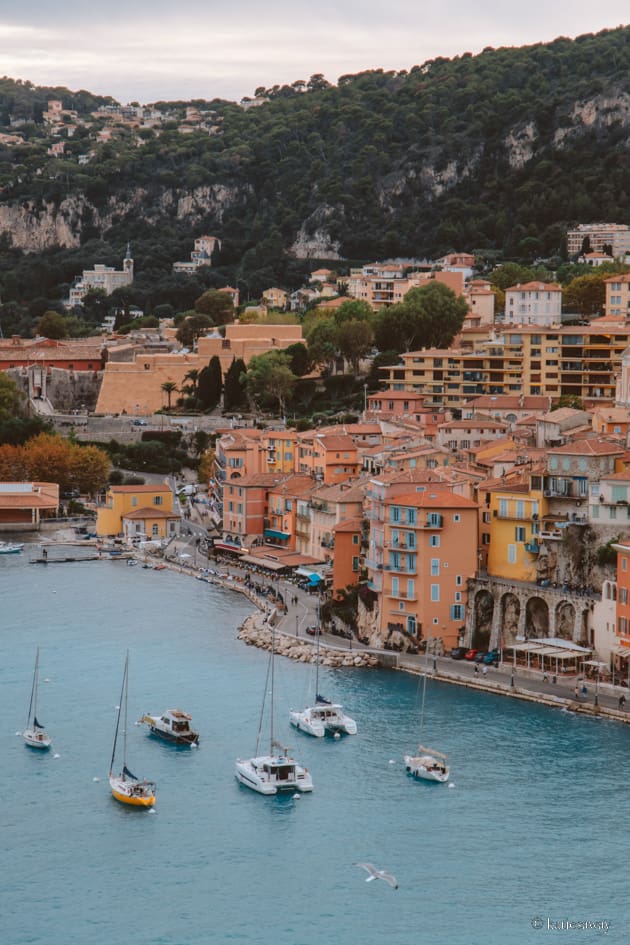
[[255, 631]]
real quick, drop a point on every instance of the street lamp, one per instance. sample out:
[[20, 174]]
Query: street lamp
[[365, 387], [597, 687]]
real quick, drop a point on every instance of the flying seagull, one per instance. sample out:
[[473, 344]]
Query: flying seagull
[[378, 874]]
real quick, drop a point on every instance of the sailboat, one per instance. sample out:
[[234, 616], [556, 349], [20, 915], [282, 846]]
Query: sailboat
[[35, 735], [275, 772], [428, 764], [324, 716], [126, 787]]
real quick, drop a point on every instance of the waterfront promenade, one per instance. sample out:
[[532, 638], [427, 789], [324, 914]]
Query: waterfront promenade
[[301, 611]]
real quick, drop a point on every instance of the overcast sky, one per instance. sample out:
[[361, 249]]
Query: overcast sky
[[148, 50]]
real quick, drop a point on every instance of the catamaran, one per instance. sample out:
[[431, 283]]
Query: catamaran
[[323, 717], [277, 771], [35, 735], [126, 787], [427, 764]]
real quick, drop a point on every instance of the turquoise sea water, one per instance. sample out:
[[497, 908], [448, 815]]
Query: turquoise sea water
[[534, 828]]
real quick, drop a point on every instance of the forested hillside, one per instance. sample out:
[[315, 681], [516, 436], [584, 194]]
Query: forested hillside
[[496, 152]]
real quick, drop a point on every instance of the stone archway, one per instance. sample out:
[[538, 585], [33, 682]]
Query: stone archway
[[565, 620], [483, 614], [536, 619], [510, 617]]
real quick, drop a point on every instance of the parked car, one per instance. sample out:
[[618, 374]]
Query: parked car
[[470, 654], [480, 656], [313, 631], [492, 658], [140, 423], [459, 652]]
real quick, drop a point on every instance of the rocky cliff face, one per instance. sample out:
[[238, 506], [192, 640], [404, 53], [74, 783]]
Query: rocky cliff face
[[35, 226]]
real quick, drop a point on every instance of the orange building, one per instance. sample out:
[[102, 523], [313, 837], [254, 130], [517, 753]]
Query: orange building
[[347, 557], [329, 458], [280, 522], [423, 548], [245, 506], [23, 504]]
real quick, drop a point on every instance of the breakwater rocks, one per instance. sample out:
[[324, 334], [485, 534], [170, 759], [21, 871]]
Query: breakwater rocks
[[255, 632]]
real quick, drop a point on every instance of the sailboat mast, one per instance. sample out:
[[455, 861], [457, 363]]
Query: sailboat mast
[[120, 705], [319, 632], [424, 684], [125, 728], [33, 703], [273, 653]]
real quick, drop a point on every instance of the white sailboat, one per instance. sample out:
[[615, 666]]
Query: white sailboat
[[35, 735], [325, 716], [126, 787], [427, 764], [277, 771]]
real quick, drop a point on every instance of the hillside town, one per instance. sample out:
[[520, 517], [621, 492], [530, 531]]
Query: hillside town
[[480, 497]]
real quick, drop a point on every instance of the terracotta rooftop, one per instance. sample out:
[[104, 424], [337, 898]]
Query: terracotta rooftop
[[588, 447], [535, 287], [442, 498], [349, 525], [149, 512]]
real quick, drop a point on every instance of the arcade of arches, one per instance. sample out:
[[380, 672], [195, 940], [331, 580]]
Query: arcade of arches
[[499, 612]]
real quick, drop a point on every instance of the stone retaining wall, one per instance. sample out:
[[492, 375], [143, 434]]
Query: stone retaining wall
[[255, 631]]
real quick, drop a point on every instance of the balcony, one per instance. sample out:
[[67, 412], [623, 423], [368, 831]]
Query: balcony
[[551, 536], [532, 547], [434, 521]]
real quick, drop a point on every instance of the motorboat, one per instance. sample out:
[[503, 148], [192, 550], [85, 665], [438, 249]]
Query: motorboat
[[126, 787], [35, 735], [10, 548], [321, 718], [428, 764], [173, 726], [275, 772]]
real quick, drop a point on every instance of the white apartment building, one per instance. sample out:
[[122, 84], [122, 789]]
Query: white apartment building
[[200, 256], [534, 303], [102, 277], [615, 235]]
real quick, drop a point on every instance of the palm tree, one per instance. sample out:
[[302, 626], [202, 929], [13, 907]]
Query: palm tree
[[193, 377], [169, 387]]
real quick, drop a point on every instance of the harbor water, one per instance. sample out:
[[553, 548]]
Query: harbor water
[[531, 833]]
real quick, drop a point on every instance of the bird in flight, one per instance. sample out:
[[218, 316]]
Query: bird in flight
[[378, 874]]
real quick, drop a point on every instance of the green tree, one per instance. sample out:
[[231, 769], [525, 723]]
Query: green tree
[[191, 327], [300, 361], [169, 388], [428, 317], [585, 295], [354, 339], [217, 305], [210, 384], [52, 325], [233, 391], [322, 342], [269, 378]]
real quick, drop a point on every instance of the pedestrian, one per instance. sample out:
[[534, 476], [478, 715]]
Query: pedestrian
[[577, 691], [476, 668], [584, 690], [545, 677], [622, 702], [485, 671]]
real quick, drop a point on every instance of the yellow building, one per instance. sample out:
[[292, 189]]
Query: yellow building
[[513, 514], [138, 510]]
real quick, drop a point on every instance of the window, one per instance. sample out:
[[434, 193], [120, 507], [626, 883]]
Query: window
[[395, 587], [457, 612], [355, 563], [486, 518], [355, 539], [520, 509], [435, 592], [458, 580], [134, 500], [434, 541], [157, 500], [410, 589], [503, 508], [624, 564], [457, 517], [435, 567], [519, 533], [411, 516], [155, 530], [511, 554], [458, 596]]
